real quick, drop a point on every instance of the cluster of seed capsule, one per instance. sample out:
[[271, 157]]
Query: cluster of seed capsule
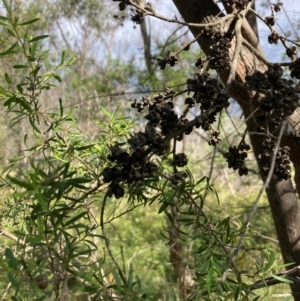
[[129, 167], [279, 102], [236, 156], [281, 98], [282, 166], [219, 58]]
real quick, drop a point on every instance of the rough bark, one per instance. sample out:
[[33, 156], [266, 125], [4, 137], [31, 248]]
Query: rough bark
[[281, 195]]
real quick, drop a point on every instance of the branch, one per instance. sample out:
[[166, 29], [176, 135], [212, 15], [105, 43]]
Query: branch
[[175, 20], [237, 51], [266, 237], [197, 120], [270, 281], [252, 213], [11, 236], [281, 37]]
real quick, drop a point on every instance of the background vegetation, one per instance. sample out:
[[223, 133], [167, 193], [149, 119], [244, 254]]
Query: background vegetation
[[71, 70]]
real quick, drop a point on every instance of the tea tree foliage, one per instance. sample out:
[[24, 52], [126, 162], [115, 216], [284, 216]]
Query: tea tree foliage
[[66, 192]]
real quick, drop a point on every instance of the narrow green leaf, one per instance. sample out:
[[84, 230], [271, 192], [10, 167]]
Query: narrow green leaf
[[203, 267], [117, 279], [163, 207], [81, 148], [80, 274], [15, 159], [38, 38], [15, 20], [32, 122], [13, 281], [91, 243], [23, 103], [61, 108], [209, 278], [8, 80], [271, 262], [74, 219], [57, 77], [29, 22], [40, 198], [218, 264], [106, 112], [4, 92], [282, 279], [4, 24], [32, 49], [20, 88], [46, 61], [130, 277], [79, 180], [201, 180], [12, 261], [20, 66], [10, 101], [56, 129], [10, 49], [11, 32], [26, 185], [62, 60]]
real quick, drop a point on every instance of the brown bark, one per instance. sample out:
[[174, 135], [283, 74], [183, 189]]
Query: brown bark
[[281, 195]]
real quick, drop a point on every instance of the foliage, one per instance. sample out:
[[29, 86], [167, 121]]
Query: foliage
[[64, 197]]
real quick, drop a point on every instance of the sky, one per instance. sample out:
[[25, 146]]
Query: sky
[[288, 20]]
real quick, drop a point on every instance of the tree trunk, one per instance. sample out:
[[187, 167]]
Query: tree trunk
[[281, 195]]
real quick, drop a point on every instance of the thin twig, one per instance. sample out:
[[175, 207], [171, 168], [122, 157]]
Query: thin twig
[[175, 20], [5, 292], [270, 281], [10, 236], [252, 213], [281, 37], [266, 238], [107, 243]]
